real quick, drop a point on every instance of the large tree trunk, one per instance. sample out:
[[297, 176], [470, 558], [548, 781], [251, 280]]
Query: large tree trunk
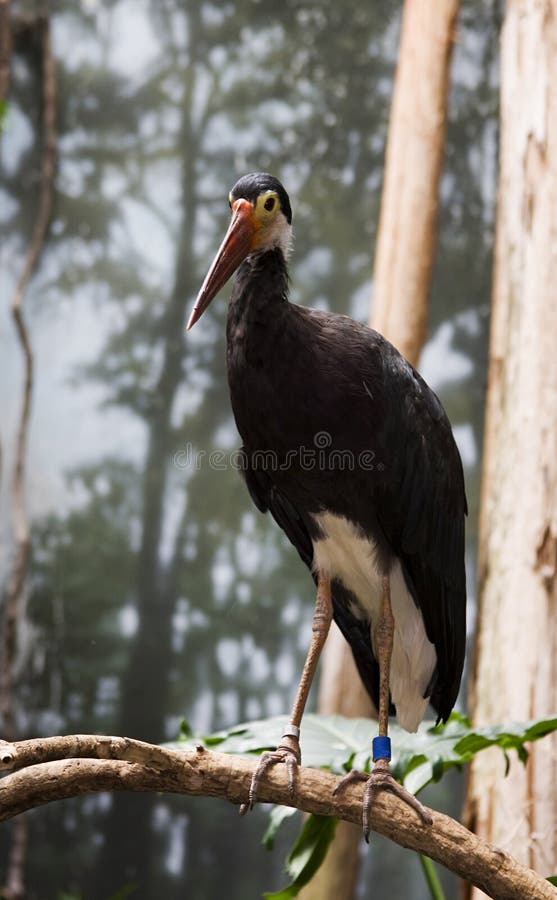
[[516, 665], [403, 264]]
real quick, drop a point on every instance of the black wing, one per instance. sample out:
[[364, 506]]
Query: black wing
[[421, 512], [417, 503], [414, 507], [267, 497]]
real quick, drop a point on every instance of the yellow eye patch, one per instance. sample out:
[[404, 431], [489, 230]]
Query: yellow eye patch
[[267, 204]]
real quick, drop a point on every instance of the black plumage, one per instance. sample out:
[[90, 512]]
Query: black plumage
[[353, 455], [295, 373]]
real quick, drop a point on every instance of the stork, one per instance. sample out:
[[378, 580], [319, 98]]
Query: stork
[[353, 455]]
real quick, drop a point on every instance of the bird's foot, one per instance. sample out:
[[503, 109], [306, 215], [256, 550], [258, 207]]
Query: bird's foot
[[381, 779], [287, 752]]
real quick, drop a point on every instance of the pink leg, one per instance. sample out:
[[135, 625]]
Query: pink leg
[[381, 777], [288, 751]]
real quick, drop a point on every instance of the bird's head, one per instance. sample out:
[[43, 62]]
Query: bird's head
[[261, 220]]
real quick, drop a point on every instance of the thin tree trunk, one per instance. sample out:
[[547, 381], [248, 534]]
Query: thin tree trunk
[[129, 852], [13, 607], [516, 668], [403, 264]]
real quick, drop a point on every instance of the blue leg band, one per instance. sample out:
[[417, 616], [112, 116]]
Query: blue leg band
[[381, 747]]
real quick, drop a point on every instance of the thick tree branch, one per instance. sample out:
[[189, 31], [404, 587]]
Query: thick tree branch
[[49, 769]]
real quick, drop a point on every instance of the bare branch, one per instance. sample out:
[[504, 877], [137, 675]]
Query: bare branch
[[48, 769], [14, 595]]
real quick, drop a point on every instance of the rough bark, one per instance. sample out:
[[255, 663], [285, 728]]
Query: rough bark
[[516, 667], [404, 258], [50, 769]]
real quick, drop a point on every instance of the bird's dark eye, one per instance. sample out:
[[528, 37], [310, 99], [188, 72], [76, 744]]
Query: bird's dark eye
[[269, 204]]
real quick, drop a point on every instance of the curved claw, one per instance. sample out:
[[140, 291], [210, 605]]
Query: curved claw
[[381, 778], [290, 756], [353, 777]]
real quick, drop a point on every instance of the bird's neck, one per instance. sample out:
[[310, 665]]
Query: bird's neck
[[260, 294]]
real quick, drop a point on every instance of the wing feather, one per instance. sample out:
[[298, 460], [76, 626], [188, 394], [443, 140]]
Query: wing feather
[[422, 515]]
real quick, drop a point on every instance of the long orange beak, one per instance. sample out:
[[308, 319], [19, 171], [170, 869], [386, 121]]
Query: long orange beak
[[235, 247]]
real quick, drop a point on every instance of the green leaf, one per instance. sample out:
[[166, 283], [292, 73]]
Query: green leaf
[[238, 737], [186, 731], [277, 816], [552, 879], [307, 854], [327, 741], [338, 743], [425, 756]]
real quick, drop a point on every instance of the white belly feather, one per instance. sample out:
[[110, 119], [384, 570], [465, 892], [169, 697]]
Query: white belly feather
[[346, 554]]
